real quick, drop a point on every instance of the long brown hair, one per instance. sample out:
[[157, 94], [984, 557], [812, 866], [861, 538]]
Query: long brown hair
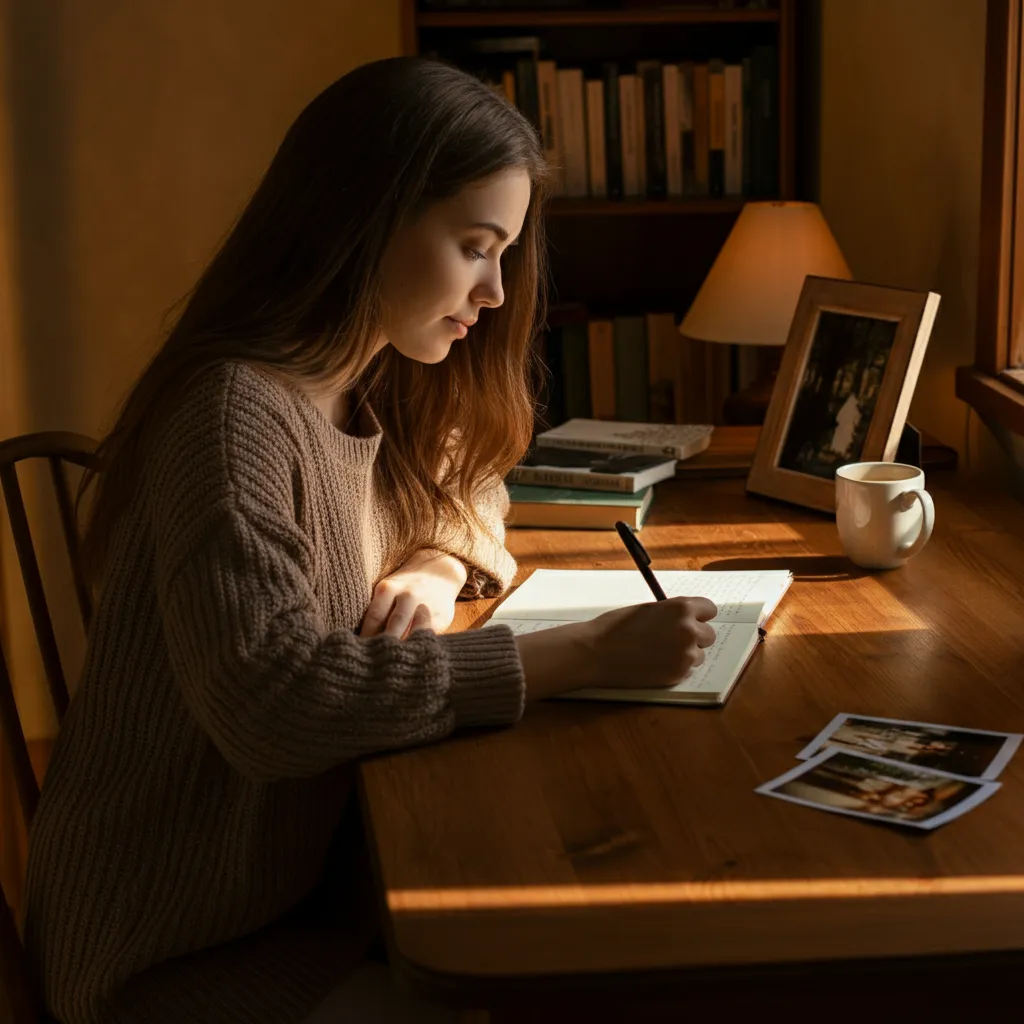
[[294, 289]]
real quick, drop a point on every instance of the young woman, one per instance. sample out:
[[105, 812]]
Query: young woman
[[298, 488]]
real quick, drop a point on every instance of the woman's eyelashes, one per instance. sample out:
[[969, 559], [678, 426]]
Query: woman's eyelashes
[[475, 254]]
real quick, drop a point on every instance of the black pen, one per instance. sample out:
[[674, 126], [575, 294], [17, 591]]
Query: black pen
[[642, 559]]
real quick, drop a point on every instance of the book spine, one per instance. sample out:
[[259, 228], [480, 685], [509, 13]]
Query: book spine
[[601, 345], [686, 145], [632, 391], [574, 147], [630, 157], [612, 129], [733, 129], [563, 478], [547, 93], [597, 159], [654, 130], [764, 86], [508, 85], [614, 447], [576, 371], [578, 105], [526, 90], [640, 130], [745, 106], [673, 130], [716, 128], [700, 128]]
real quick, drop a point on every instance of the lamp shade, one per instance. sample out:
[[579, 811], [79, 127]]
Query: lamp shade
[[750, 294]]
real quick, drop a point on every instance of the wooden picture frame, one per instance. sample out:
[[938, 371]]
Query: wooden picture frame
[[827, 411]]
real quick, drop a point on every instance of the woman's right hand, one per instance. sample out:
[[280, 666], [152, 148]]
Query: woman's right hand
[[644, 646]]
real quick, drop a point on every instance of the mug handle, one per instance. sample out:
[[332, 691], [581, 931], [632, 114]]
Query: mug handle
[[907, 499]]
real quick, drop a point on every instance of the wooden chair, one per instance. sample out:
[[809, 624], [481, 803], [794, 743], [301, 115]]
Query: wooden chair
[[57, 449]]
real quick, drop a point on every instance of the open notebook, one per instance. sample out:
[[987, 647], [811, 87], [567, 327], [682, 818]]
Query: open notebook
[[554, 597]]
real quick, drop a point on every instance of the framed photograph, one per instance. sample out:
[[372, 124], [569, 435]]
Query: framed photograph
[[848, 373]]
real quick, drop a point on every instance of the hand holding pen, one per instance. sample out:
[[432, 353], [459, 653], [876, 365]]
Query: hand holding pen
[[643, 563], [678, 625], [648, 646]]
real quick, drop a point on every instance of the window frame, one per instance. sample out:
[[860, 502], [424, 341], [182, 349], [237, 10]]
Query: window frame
[[994, 385]]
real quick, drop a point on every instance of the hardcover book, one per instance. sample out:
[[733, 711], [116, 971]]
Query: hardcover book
[[678, 441], [582, 510], [591, 470]]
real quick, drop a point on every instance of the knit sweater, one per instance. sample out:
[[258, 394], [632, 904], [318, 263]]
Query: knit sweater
[[204, 765]]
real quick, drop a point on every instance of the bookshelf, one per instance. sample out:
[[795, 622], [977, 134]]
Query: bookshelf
[[637, 254]]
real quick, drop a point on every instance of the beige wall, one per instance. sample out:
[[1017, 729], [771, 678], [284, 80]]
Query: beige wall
[[902, 84], [134, 133]]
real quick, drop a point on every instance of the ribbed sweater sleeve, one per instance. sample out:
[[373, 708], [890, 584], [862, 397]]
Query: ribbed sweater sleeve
[[489, 566], [279, 693]]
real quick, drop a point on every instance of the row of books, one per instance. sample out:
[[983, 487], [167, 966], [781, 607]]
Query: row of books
[[650, 128], [515, 5], [591, 474], [638, 368]]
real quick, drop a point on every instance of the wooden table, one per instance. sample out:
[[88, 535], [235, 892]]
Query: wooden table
[[617, 852]]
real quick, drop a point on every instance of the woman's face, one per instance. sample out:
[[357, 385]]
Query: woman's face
[[440, 271]]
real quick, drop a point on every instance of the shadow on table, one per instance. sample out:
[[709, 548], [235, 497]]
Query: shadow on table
[[806, 568]]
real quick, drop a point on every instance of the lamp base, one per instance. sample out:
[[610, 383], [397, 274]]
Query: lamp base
[[749, 406]]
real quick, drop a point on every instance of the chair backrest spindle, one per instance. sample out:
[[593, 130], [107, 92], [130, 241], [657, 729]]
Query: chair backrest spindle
[[17, 747], [18, 997], [37, 606], [66, 508], [57, 448]]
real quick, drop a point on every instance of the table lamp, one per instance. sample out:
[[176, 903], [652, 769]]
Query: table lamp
[[750, 294]]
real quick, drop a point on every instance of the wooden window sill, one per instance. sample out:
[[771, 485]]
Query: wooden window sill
[[994, 398], [1015, 378]]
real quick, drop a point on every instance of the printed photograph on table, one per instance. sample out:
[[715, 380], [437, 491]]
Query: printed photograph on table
[[849, 369], [878, 789], [977, 753]]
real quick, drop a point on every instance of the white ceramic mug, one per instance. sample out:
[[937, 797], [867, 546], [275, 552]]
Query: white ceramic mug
[[883, 512]]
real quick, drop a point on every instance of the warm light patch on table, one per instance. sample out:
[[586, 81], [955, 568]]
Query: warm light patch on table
[[537, 897], [868, 607]]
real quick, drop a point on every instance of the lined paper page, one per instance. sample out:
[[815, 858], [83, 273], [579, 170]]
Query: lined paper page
[[575, 595], [519, 626]]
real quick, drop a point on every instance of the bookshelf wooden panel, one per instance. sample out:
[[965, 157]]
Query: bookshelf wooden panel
[[564, 207], [633, 255], [584, 18]]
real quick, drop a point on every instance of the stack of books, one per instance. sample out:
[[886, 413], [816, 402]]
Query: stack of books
[[588, 474]]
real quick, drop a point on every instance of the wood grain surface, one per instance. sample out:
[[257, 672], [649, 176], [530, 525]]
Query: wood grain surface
[[597, 841]]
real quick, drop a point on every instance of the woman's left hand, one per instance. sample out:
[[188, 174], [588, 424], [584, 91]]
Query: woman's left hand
[[419, 595]]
